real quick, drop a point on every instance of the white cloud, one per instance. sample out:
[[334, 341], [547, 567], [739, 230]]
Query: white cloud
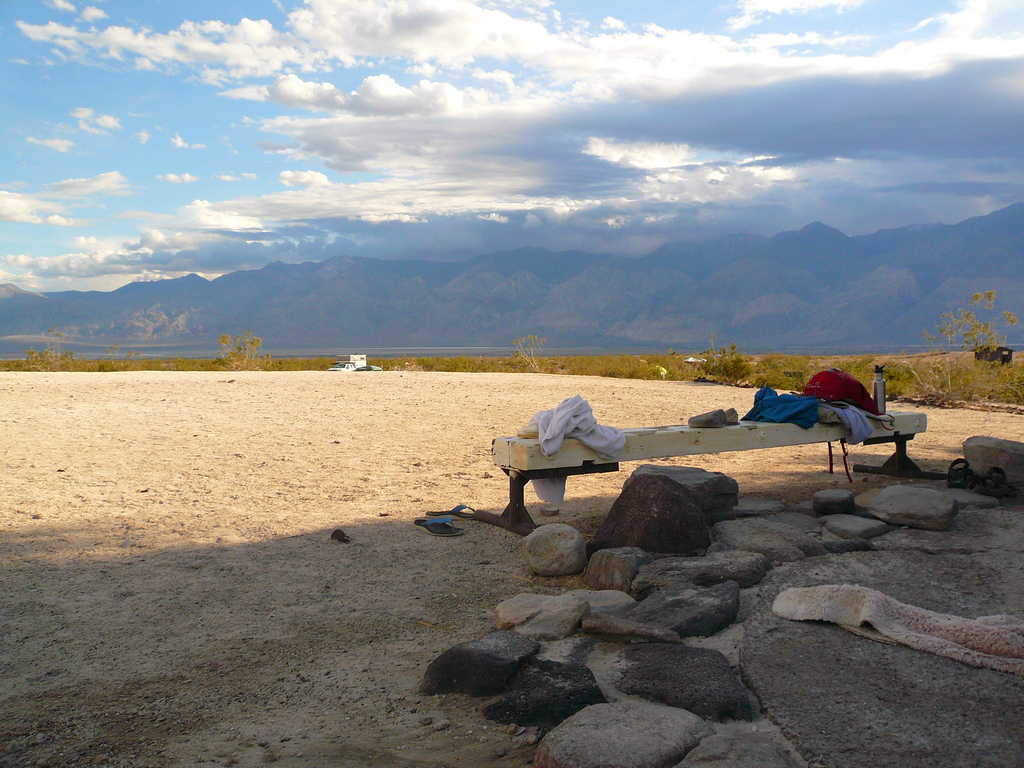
[[754, 11], [611, 22], [109, 183], [249, 176], [228, 177], [90, 122], [185, 178], [61, 5], [201, 214], [142, 137], [180, 143], [61, 145], [30, 209], [303, 178], [92, 13], [495, 217], [640, 154]]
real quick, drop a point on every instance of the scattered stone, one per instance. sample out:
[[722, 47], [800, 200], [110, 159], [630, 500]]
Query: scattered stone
[[853, 527], [690, 610], [779, 542], [339, 535], [738, 750], [731, 417], [713, 491], [542, 616], [747, 507], [699, 680], [710, 420], [833, 501], [983, 453], [618, 630], [555, 550], [571, 650], [656, 514], [914, 506], [843, 546], [967, 499], [546, 697], [745, 568], [805, 507], [442, 725], [607, 602], [479, 667], [627, 734], [802, 522], [615, 568]]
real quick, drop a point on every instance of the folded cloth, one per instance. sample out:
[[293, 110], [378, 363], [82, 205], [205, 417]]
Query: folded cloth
[[573, 417], [772, 407], [858, 422], [995, 642]]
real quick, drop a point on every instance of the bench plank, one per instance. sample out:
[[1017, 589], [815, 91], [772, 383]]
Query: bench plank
[[524, 454]]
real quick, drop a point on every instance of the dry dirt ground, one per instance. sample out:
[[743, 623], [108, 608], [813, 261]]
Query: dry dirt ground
[[171, 595]]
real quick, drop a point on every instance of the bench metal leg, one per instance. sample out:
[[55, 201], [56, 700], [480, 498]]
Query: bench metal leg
[[515, 518], [900, 465]]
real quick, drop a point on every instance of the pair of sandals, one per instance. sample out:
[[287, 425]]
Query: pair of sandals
[[442, 523], [992, 483]]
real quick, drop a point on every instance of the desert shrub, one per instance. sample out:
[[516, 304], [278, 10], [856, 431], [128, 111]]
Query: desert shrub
[[726, 365], [242, 353], [782, 372]]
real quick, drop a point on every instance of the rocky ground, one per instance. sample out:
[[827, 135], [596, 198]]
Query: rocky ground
[[173, 597]]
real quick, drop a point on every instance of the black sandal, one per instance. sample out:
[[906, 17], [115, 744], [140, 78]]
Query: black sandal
[[994, 483], [960, 475]]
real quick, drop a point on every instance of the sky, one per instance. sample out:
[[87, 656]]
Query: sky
[[145, 141]]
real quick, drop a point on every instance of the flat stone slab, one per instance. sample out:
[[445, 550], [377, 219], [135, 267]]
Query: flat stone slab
[[778, 542], [698, 680], [544, 697], [615, 568], [623, 630], [854, 527], [745, 568], [627, 734], [748, 506], [543, 617], [607, 602], [480, 667], [738, 750], [802, 522], [848, 702], [690, 611], [983, 453], [914, 506], [968, 499]]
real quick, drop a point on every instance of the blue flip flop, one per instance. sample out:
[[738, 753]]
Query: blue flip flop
[[439, 526], [463, 511]]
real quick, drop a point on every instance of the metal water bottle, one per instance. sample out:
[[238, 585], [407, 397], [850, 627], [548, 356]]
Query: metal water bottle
[[878, 389]]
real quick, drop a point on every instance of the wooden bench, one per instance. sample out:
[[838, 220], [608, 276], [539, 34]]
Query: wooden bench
[[521, 459]]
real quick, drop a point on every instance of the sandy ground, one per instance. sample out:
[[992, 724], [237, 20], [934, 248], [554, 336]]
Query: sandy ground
[[171, 595]]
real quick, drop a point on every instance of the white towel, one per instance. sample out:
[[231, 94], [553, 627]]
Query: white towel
[[856, 420], [574, 418]]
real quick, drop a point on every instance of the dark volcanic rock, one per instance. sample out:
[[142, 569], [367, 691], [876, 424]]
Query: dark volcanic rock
[[713, 491], [696, 679], [847, 545], [689, 610], [545, 697], [480, 667], [656, 514]]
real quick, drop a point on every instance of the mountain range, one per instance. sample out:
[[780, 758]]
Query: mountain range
[[811, 289]]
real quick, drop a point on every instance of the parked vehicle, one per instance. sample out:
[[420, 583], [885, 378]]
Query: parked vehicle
[[369, 368], [347, 367]]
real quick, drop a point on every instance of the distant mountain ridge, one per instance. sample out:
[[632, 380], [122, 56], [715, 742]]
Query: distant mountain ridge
[[814, 287]]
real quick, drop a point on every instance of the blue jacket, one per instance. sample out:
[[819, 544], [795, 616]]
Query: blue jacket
[[778, 409]]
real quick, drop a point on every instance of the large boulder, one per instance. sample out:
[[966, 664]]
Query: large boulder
[[690, 611], [714, 492], [745, 568], [915, 507], [699, 680], [615, 568], [480, 667], [778, 542], [738, 750], [983, 453], [834, 501], [627, 734], [555, 550], [656, 514]]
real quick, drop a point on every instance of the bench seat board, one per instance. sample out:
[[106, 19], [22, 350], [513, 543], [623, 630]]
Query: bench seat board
[[663, 442]]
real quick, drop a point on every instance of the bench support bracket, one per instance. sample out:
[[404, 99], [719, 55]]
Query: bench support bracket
[[516, 517], [899, 464]]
